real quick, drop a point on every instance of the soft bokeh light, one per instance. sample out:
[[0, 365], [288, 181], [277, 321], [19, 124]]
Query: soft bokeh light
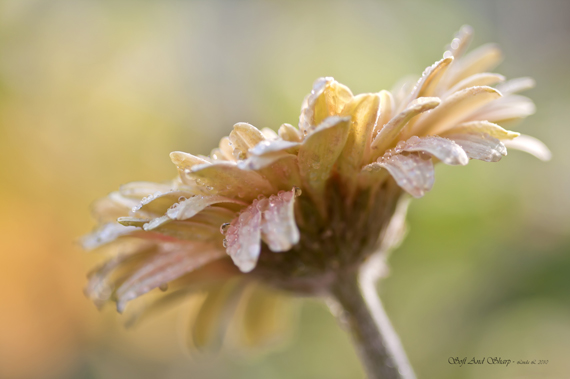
[[94, 94]]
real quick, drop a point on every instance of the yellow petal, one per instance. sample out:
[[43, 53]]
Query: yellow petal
[[267, 317], [289, 133], [227, 149], [327, 98], [491, 129], [363, 113], [481, 79], [482, 59], [210, 324], [319, 152], [226, 179], [455, 109], [430, 79], [185, 161], [392, 129], [386, 111]]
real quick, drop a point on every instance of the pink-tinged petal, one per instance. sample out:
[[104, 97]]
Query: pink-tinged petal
[[443, 149], [482, 59], [319, 152], [480, 146], [190, 207], [455, 109], [491, 129], [516, 85], [430, 79], [327, 98], [226, 179], [413, 172], [481, 79], [105, 234], [505, 109], [278, 227], [530, 145], [363, 111], [243, 238], [372, 175], [171, 262], [392, 129]]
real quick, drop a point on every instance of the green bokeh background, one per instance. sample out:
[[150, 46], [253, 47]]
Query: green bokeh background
[[94, 94]]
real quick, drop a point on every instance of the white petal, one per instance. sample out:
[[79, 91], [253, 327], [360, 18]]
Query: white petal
[[105, 234], [504, 109], [530, 145], [516, 85], [482, 59], [412, 172], [267, 147], [480, 146], [278, 228], [481, 79], [443, 149], [243, 239]]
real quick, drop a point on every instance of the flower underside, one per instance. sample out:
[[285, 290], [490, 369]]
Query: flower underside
[[291, 207]]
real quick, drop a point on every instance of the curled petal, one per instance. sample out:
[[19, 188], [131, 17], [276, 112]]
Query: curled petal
[[480, 146], [392, 129], [185, 161], [171, 262], [243, 239], [443, 149], [327, 98], [289, 133], [226, 149], [413, 172], [530, 145], [455, 109], [278, 227], [244, 137], [269, 134], [386, 111], [190, 207], [430, 79], [491, 129]]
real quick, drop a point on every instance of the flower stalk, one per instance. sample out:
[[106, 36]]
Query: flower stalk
[[378, 345]]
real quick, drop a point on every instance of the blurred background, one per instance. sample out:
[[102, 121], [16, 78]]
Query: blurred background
[[96, 93]]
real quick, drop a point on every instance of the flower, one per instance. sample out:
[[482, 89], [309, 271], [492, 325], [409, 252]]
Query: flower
[[292, 209]]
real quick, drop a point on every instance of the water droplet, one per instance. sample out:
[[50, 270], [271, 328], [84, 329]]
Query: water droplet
[[224, 228]]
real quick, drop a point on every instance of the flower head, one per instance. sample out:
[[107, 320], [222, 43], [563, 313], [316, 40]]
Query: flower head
[[292, 208]]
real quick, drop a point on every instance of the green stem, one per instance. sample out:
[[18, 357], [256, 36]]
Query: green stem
[[377, 343]]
